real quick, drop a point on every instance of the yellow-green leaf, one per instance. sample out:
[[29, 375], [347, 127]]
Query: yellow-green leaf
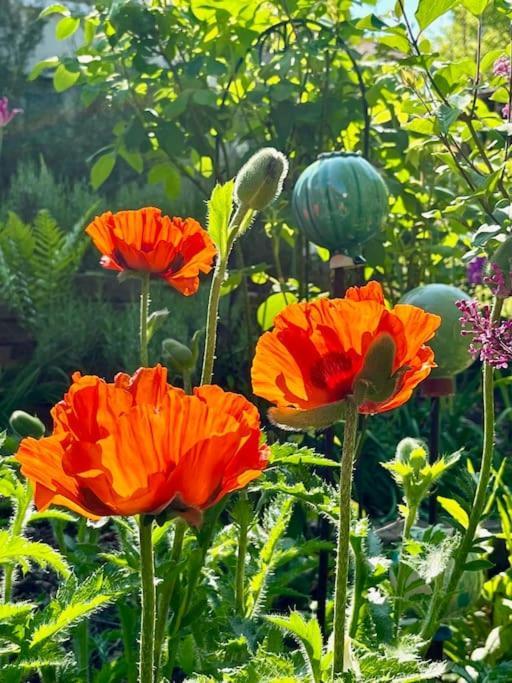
[[455, 510]]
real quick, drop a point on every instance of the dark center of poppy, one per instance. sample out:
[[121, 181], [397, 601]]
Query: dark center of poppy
[[176, 263], [333, 372]]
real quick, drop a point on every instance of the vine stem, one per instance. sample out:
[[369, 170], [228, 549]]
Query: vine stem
[[345, 491], [214, 300], [147, 574], [431, 621], [144, 312]]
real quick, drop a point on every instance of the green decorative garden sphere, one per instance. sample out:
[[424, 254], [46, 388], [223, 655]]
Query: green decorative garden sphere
[[451, 348], [340, 201]]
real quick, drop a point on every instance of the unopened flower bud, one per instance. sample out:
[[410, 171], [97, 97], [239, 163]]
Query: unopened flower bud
[[26, 425], [410, 451], [418, 458], [260, 180], [178, 356]]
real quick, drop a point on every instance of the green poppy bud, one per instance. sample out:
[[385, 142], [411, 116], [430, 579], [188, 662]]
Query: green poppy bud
[[260, 180], [411, 451], [178, 356], [26, 425]]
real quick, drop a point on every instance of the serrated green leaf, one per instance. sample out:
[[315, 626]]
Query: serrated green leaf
[[455, 510], [18, 550], [10, 610], [309, 637]]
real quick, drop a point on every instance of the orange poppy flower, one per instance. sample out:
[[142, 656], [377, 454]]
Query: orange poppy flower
[[174, 249], [139, 445], [323, 351]]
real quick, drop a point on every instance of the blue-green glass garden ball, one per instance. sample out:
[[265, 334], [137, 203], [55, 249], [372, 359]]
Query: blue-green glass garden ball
[[449, 345], [340, 201]]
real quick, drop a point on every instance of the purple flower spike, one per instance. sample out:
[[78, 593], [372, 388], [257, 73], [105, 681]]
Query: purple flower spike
[[505, 111], [501, 66], [6, 114], [475, 270], [497, 282], [491, 342]]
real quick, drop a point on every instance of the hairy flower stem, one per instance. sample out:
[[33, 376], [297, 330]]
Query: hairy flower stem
[[144, 313], [358, 599], [240, 561], [213, 303], [147, 628], [436, 613], [345, 491], [167, 592], [412, 512]]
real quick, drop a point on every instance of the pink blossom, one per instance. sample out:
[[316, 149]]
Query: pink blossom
[[6, 114], [505, 111], [501, 66], [490, 341]]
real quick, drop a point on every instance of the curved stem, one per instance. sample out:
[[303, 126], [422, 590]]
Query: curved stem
[[213, 303], [147, 628], [167, 592], [340, 594], [479, 500], [144, 312]]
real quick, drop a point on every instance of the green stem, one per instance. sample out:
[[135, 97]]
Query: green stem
[[167, 592], [431, 621], [359, 584], [340, 593], [126, 619], [213, 303], [147, 629], [187, 381], [144, 312], [240, 561], [412, 512]]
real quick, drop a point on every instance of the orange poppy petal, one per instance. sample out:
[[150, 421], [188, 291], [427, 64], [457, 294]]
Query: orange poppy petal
[[369, 292], [419, 325]]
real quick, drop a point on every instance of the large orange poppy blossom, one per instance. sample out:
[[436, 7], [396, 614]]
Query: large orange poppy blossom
[[174, 249], [323, 351], [139, 445]]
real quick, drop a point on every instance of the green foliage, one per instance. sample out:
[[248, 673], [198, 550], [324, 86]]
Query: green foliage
[[37, 264]]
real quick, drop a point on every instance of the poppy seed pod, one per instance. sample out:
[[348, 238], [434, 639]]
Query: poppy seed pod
[[451, 348], [260, 180]]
